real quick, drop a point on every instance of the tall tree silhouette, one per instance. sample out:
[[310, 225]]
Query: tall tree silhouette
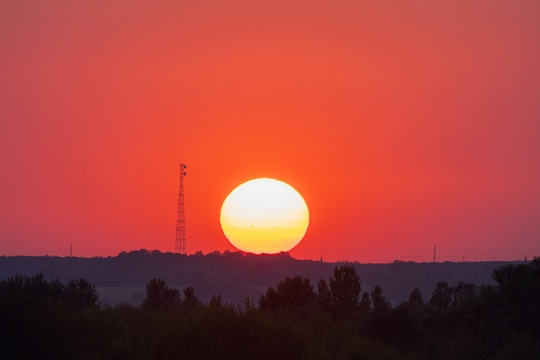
[[441, 298], [416, 300], [190, 300], [346, 288], [378, 300], [324, 296], [292, 293], [160, 297], [80, 294]]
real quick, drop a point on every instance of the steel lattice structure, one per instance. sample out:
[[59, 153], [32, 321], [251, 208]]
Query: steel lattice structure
[[180, 243]]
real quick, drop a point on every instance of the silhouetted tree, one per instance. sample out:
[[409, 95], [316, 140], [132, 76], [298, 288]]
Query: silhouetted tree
[[519, 294], [441, 297], [464, 294], [160, 297], [416, 299], [378, 300], [365, 303], [346, 288], [190, 300], [535, 265], [80, 294], [36, 315], [324, 296], [293, 292], [269, 302], [36, 285], [215, 301], [519, 282]]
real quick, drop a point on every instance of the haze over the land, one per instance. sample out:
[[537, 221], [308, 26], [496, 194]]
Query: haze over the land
[[235, 276], [402, 124]]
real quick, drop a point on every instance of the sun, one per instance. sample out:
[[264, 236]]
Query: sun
[[264, 216]]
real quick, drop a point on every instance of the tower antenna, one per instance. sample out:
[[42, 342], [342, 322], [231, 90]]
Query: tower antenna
[[434, 252], [180, 243]]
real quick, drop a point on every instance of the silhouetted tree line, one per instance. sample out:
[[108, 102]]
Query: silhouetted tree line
[[235, 275], [334, 319]]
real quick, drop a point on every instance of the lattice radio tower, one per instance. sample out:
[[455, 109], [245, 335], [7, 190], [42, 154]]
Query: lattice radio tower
[[180, 243]]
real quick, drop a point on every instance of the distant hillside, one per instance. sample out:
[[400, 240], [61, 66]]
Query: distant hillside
[[237, 276]]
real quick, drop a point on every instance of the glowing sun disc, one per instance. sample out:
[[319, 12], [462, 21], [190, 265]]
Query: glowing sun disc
[[264, 216]]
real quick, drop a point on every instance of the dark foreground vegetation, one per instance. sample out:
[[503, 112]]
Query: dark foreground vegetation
[[332, 319]]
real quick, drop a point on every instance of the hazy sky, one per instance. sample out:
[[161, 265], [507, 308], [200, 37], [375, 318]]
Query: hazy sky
[[403, 124]]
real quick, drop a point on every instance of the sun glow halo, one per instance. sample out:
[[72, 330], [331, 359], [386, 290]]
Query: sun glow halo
[[264, 216]]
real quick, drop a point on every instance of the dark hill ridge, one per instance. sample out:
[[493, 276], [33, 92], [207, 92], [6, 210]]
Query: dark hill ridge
[[237, 276]]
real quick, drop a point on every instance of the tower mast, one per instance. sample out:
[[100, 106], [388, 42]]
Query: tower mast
[[180, 243]]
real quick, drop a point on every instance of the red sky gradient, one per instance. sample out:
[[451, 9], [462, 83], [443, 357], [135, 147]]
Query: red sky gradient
[[403, 124]]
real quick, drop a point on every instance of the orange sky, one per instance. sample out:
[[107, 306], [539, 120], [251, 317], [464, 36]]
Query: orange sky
[[403, 124]]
